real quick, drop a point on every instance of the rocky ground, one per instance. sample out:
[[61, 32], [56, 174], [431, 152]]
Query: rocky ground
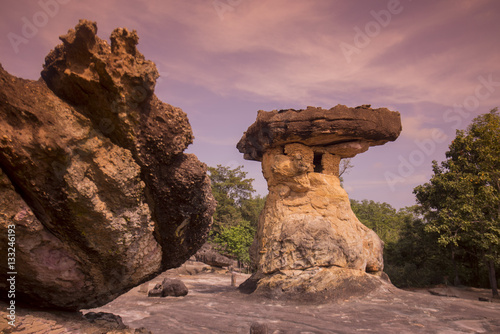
[[30, 321], [214, 306]]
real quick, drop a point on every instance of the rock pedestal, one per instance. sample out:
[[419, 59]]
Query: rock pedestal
[[309, 242]]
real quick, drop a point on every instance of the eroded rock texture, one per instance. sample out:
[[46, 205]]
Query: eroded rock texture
[[93, 175], [309, 241]]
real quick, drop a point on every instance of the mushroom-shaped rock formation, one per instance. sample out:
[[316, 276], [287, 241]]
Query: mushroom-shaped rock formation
[[94, 182], [309, 242]]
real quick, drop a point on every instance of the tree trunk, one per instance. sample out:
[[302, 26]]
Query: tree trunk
[[493, 279], [456, 280]]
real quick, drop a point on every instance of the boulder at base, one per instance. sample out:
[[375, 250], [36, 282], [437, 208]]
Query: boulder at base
[[208, 255], [169, 287]]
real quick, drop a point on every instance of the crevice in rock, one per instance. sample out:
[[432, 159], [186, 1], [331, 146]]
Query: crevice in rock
[[318, 166]]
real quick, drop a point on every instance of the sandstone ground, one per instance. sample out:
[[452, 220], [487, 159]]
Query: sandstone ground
[[214, 306]]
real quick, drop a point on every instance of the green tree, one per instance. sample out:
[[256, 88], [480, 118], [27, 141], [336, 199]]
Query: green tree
[[237, 212], [412, 256], [380, 217], [230, 188], [461, 202], [415, 259], [235, 240], [251, 209]]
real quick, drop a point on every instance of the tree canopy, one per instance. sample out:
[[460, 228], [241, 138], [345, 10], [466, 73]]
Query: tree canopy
[[237, 212], [380, 217], [412, 257], [461, 202]]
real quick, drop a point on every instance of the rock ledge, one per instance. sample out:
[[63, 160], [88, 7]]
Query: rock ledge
[[93, 176]]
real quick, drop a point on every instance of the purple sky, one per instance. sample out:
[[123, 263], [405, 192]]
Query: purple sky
[[436, 62]]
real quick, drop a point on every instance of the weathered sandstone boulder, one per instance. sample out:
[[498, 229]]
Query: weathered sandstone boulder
[[309, 241], [93, 175], [172, 287], [208, 255]]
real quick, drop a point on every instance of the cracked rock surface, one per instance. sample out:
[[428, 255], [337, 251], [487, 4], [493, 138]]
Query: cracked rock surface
[[214, 306], [93, 176]]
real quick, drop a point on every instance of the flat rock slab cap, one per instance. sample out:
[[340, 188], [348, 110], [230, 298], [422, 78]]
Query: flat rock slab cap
[[340, 130]]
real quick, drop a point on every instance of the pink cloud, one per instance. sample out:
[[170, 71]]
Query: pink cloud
[[282, 53]]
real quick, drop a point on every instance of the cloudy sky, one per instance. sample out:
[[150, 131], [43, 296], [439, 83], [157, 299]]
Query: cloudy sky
[[436, 62]]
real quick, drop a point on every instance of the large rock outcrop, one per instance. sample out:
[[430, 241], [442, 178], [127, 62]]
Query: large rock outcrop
[[93, 175], [309, 242]]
